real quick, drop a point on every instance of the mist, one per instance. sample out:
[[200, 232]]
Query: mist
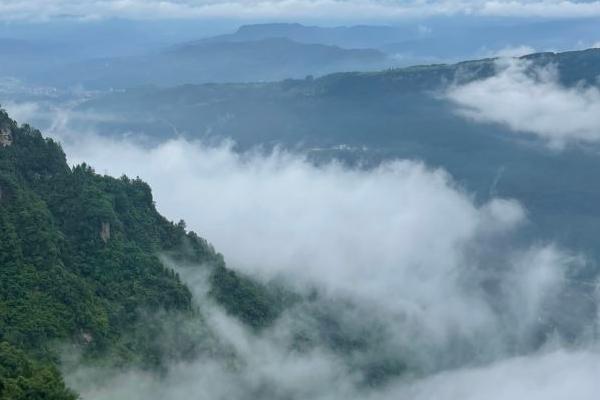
[[400, 254], [532, 101]]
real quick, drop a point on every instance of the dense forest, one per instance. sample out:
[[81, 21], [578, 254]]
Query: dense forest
[[80, 265]]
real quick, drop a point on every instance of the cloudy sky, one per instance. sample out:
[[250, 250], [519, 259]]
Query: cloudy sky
[[292, 9]]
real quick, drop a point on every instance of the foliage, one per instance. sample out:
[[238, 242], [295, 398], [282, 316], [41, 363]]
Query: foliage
[[79, 262], [22, 378], [253, 303]]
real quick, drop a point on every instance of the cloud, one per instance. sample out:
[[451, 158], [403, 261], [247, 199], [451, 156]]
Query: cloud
[[553, 375], [402, 238], [259, 367], [22, 111], [400, 255], [278, 9], [532, 100]]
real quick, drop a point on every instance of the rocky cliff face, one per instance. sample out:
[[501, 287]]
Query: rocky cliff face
[[105, 232], [5, 136]]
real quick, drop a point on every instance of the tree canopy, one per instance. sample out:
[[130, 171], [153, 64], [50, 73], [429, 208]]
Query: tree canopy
[[79, 263]]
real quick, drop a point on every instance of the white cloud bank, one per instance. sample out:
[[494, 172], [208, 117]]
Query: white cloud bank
[[444, 276], [557, 375], [402, 241], [278, 9], [402, 238], [532, 101], [269, 371]]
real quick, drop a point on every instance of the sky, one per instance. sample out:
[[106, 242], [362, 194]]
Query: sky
[[32, 10]]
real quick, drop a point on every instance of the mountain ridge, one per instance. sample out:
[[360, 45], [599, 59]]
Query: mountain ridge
[[390, 114], [265, 59], [81, 266]]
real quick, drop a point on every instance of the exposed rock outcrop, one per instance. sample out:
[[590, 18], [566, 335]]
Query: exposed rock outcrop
[[5, 136], [105, 232], [87, 337]]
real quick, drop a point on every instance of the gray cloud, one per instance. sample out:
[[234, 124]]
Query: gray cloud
[[277, 9], [532, 101]]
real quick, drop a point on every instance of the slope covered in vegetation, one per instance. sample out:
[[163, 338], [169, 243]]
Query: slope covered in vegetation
[[79, 263]]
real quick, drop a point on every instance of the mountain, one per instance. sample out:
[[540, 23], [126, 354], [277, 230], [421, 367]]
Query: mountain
[[129, 53], [395, 96], [283, 50], [358, 36], [94, 56], [81, 265], [400, 113], [269, 59], [258, 60], [431, 39]]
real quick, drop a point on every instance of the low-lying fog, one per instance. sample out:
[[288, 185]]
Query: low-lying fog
[[402, 257], [400, 254]]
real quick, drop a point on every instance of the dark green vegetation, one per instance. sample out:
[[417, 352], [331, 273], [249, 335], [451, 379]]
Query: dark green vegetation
[[246, 299], [79, 265], [384, 115], [23, 378]]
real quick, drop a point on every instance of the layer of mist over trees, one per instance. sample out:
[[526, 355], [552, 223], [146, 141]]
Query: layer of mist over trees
[[79, 255]]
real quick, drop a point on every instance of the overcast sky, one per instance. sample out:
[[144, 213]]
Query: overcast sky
[[292, 9]]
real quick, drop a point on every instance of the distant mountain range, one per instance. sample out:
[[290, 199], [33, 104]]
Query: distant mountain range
[[359, 36], [369, 117], [431, 39], [212, 61], [276, 51]]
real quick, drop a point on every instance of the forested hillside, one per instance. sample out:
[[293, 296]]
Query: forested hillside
[[80, 264]]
